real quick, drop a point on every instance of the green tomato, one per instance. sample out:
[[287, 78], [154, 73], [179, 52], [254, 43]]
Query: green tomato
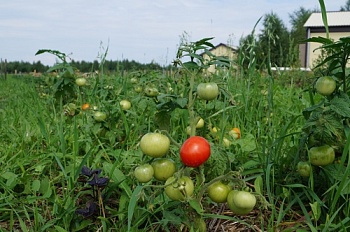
[[155, 144], [138, 89], [199, 225], [100, 116], [125, 104], [80, 81], [188, 130], [151, 91], [208, 91], [304, 169], [218, 192], [321, 156], [134, 80], [325, 85], [179, 190], [163, 168], [144, 173], [200, 123], [226, 142], [241, 202]]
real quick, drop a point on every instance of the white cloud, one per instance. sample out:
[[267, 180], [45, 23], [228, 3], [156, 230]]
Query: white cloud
[[136, 29]]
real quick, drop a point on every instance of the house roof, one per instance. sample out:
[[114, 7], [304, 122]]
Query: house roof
[[232, 48], [225, 45], [334, 19]]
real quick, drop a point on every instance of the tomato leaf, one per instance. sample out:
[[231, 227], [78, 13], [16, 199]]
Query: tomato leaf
[[258, 185], [194, 203], [247, 143], [36, 185], [338, 172], [316, 210], [341, 105]]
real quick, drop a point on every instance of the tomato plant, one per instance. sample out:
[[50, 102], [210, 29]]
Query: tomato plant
[[195, 151], [155, 144], [208, 91], [163, 168], [325, 85], [179, 189], [241, 202], [144, 173], [80, 81], [218, 192], [304, 169], [321, 156], [125, 104], [100, 116]]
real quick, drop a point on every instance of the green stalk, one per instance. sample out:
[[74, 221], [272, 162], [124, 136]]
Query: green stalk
[[191, 100]]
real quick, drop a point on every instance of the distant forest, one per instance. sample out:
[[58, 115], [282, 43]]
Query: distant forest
[[82, 66]]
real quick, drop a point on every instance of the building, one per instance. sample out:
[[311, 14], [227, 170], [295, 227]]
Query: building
[[338, 26], [222, 50]]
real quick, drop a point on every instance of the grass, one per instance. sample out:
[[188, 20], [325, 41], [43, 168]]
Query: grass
[[45, 144]]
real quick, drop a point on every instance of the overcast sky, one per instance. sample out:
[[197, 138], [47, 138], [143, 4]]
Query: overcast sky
[[141, 30]]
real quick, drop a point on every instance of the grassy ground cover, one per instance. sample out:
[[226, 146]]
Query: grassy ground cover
[[68, 168]]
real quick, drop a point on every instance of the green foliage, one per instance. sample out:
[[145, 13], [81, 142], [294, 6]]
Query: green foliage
[[273, 42], [325, 121], [346, 7], [47, 142], [297, 20]]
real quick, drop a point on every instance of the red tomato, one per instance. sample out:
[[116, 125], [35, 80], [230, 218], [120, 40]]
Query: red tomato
[[195, 151]]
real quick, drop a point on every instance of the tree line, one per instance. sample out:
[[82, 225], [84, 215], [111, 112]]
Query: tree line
[[83, 66]]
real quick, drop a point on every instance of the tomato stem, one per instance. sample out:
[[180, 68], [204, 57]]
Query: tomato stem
[[191, 100], [172, 140]]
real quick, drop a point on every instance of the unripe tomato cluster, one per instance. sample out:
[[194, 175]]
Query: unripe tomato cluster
[[155, 145], [318, 156], [240, 202], [194, 153]]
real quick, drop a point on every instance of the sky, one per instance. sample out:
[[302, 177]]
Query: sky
[[141, 30]]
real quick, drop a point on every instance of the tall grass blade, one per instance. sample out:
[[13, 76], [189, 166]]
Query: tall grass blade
[[132, 204], [324, 17]]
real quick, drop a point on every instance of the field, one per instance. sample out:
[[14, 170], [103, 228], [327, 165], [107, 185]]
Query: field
[[69, 150]]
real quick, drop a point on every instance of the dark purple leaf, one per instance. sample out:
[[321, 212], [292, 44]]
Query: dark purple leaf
[[90, 172], [88, 211]]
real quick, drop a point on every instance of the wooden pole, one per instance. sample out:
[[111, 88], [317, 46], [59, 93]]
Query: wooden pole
[[5, 69]]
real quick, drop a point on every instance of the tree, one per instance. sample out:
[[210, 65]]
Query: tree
[[297, 20], [346, 7], [274, 42]]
